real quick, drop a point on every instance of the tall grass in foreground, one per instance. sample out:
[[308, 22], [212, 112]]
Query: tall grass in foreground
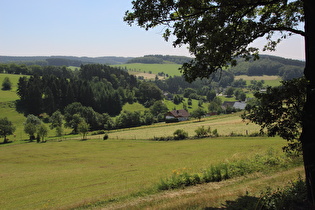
[[292, 196], [222, 171]]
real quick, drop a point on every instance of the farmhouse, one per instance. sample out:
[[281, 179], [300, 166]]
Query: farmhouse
[[235, 104], [177, 116]]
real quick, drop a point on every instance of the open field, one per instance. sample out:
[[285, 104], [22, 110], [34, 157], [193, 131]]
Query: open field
[[225, 124], [269, 80], [9, 95], [71, 173], [170, 69]]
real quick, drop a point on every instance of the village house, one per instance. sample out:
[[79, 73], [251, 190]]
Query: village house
[[239, 105], [177, 115]]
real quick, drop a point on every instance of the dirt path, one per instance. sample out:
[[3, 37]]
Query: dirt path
[[211, 195]]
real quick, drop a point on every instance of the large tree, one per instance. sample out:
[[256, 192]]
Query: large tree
[[6, 128], [219, 31]]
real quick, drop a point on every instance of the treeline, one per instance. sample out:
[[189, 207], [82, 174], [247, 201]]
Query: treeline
[[59, 71], [104, 88], [160, 59], [177, 84], [270, 65], [62, 60], [99, 89]]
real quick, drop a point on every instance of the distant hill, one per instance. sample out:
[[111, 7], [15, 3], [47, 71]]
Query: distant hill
[[63, 60], [269, 65], [266, 65], [160, 59]]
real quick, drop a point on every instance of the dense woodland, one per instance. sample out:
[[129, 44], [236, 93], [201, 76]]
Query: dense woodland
[[95, 92], [270, 65], [97, 86]]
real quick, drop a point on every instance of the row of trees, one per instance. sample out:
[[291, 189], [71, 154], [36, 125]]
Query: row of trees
[[159, 59], [60, 71], [101, 87], [49, 93]]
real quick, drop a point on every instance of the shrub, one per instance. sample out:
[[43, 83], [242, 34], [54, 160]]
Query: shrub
[[163, 138], [203, 132], [215, 133], [98, 132], [180, 134], [290, 197], [6, 84]]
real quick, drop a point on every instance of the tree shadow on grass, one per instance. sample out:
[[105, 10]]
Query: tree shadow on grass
[[7, 142], [245, 202]]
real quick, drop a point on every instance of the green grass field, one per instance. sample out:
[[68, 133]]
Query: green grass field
[[170, 69], [225, 125], [9, 95], [269, 80], [72, 173]]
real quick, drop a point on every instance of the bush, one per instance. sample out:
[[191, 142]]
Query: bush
[[203, 132], [215, 133], [163, 138], [290, 197], [105, 137], [6, 84], [98, 132], [180, 134]]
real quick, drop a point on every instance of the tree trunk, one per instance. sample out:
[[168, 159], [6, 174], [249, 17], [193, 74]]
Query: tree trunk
[[308, 129], [5, 140]]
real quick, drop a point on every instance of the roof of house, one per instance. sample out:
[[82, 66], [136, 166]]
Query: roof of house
[[239, 105], [228, 103], [179, 113]]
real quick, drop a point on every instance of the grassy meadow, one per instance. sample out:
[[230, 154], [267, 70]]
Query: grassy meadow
[[225, 125], [138, 68], [269, 80], [72, 173], [7, 106], [9, 95]]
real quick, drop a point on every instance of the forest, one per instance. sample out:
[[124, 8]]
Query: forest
[[270, 65]]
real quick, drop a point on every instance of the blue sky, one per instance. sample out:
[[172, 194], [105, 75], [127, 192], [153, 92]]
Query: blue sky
[[89, 28]]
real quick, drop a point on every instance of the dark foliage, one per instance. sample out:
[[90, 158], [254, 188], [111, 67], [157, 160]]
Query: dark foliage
[[101, 87]]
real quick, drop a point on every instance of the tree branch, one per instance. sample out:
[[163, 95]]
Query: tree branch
[[283, 28]]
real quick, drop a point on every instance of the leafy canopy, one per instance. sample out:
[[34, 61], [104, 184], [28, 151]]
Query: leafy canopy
[[279, 111], [6, 128], [218, 31]]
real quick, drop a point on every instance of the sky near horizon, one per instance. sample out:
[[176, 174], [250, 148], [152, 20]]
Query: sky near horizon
[[92, 28]]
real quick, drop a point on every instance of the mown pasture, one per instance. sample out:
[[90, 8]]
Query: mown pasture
[[9, 95], [72, 173], [138, 68], [225, 125], [269, 80]]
